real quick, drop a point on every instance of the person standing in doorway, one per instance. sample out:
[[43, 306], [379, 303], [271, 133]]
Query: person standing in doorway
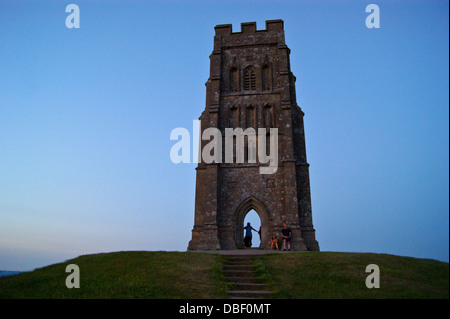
[[248, 235], [286, 234]]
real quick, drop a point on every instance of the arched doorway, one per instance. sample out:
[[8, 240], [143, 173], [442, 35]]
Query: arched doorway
[[256, 206], [252, 217]]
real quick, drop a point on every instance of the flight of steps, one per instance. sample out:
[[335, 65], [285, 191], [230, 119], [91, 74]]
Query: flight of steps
[[238, 270]]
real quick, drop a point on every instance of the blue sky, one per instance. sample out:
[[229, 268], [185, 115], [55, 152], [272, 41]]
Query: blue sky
[[86, 115]]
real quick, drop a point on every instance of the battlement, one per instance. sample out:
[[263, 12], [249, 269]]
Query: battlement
[[249, 27]]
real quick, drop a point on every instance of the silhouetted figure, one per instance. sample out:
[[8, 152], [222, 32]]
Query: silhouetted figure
[[248, 235]]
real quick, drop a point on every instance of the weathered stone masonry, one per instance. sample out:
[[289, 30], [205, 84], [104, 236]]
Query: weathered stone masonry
[[251, 85]]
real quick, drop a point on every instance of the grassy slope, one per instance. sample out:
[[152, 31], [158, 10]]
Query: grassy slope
[[194, 275], [124, 275], [342, 275]]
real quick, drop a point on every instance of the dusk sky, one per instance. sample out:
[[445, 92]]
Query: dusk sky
[[86, 115]]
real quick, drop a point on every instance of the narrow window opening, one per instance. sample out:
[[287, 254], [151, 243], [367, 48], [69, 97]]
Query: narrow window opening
[[249, 79]]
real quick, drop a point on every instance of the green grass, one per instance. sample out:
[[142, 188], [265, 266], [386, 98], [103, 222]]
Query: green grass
[[125, 275], [329, 275], [186, 275]]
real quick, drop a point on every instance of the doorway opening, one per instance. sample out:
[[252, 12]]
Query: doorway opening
[[252, 217]]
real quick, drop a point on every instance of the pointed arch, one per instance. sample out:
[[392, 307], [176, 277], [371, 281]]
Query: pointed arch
[[242, 210]]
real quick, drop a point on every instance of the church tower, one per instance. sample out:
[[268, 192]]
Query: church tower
[[251, 86]]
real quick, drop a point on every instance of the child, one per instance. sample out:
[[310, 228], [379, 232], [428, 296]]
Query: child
[[274, 242]]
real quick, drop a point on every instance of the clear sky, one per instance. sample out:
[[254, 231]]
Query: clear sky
[[86, 115]]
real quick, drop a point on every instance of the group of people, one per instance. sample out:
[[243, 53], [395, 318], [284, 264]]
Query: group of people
[[286, 235]]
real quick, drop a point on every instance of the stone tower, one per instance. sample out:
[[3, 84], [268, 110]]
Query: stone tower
[[251, 85]]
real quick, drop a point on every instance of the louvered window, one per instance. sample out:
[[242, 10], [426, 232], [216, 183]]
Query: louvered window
[[249, 79]]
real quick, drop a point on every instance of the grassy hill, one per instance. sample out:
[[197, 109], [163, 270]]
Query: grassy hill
[[131, 274], [190, 275], [342, 275]]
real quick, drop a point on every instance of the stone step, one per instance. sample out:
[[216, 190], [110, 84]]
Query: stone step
[[238, 267], [238, 273], [245, 279], [250, 293], [239, 262], [239, 259], [250, 286]]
